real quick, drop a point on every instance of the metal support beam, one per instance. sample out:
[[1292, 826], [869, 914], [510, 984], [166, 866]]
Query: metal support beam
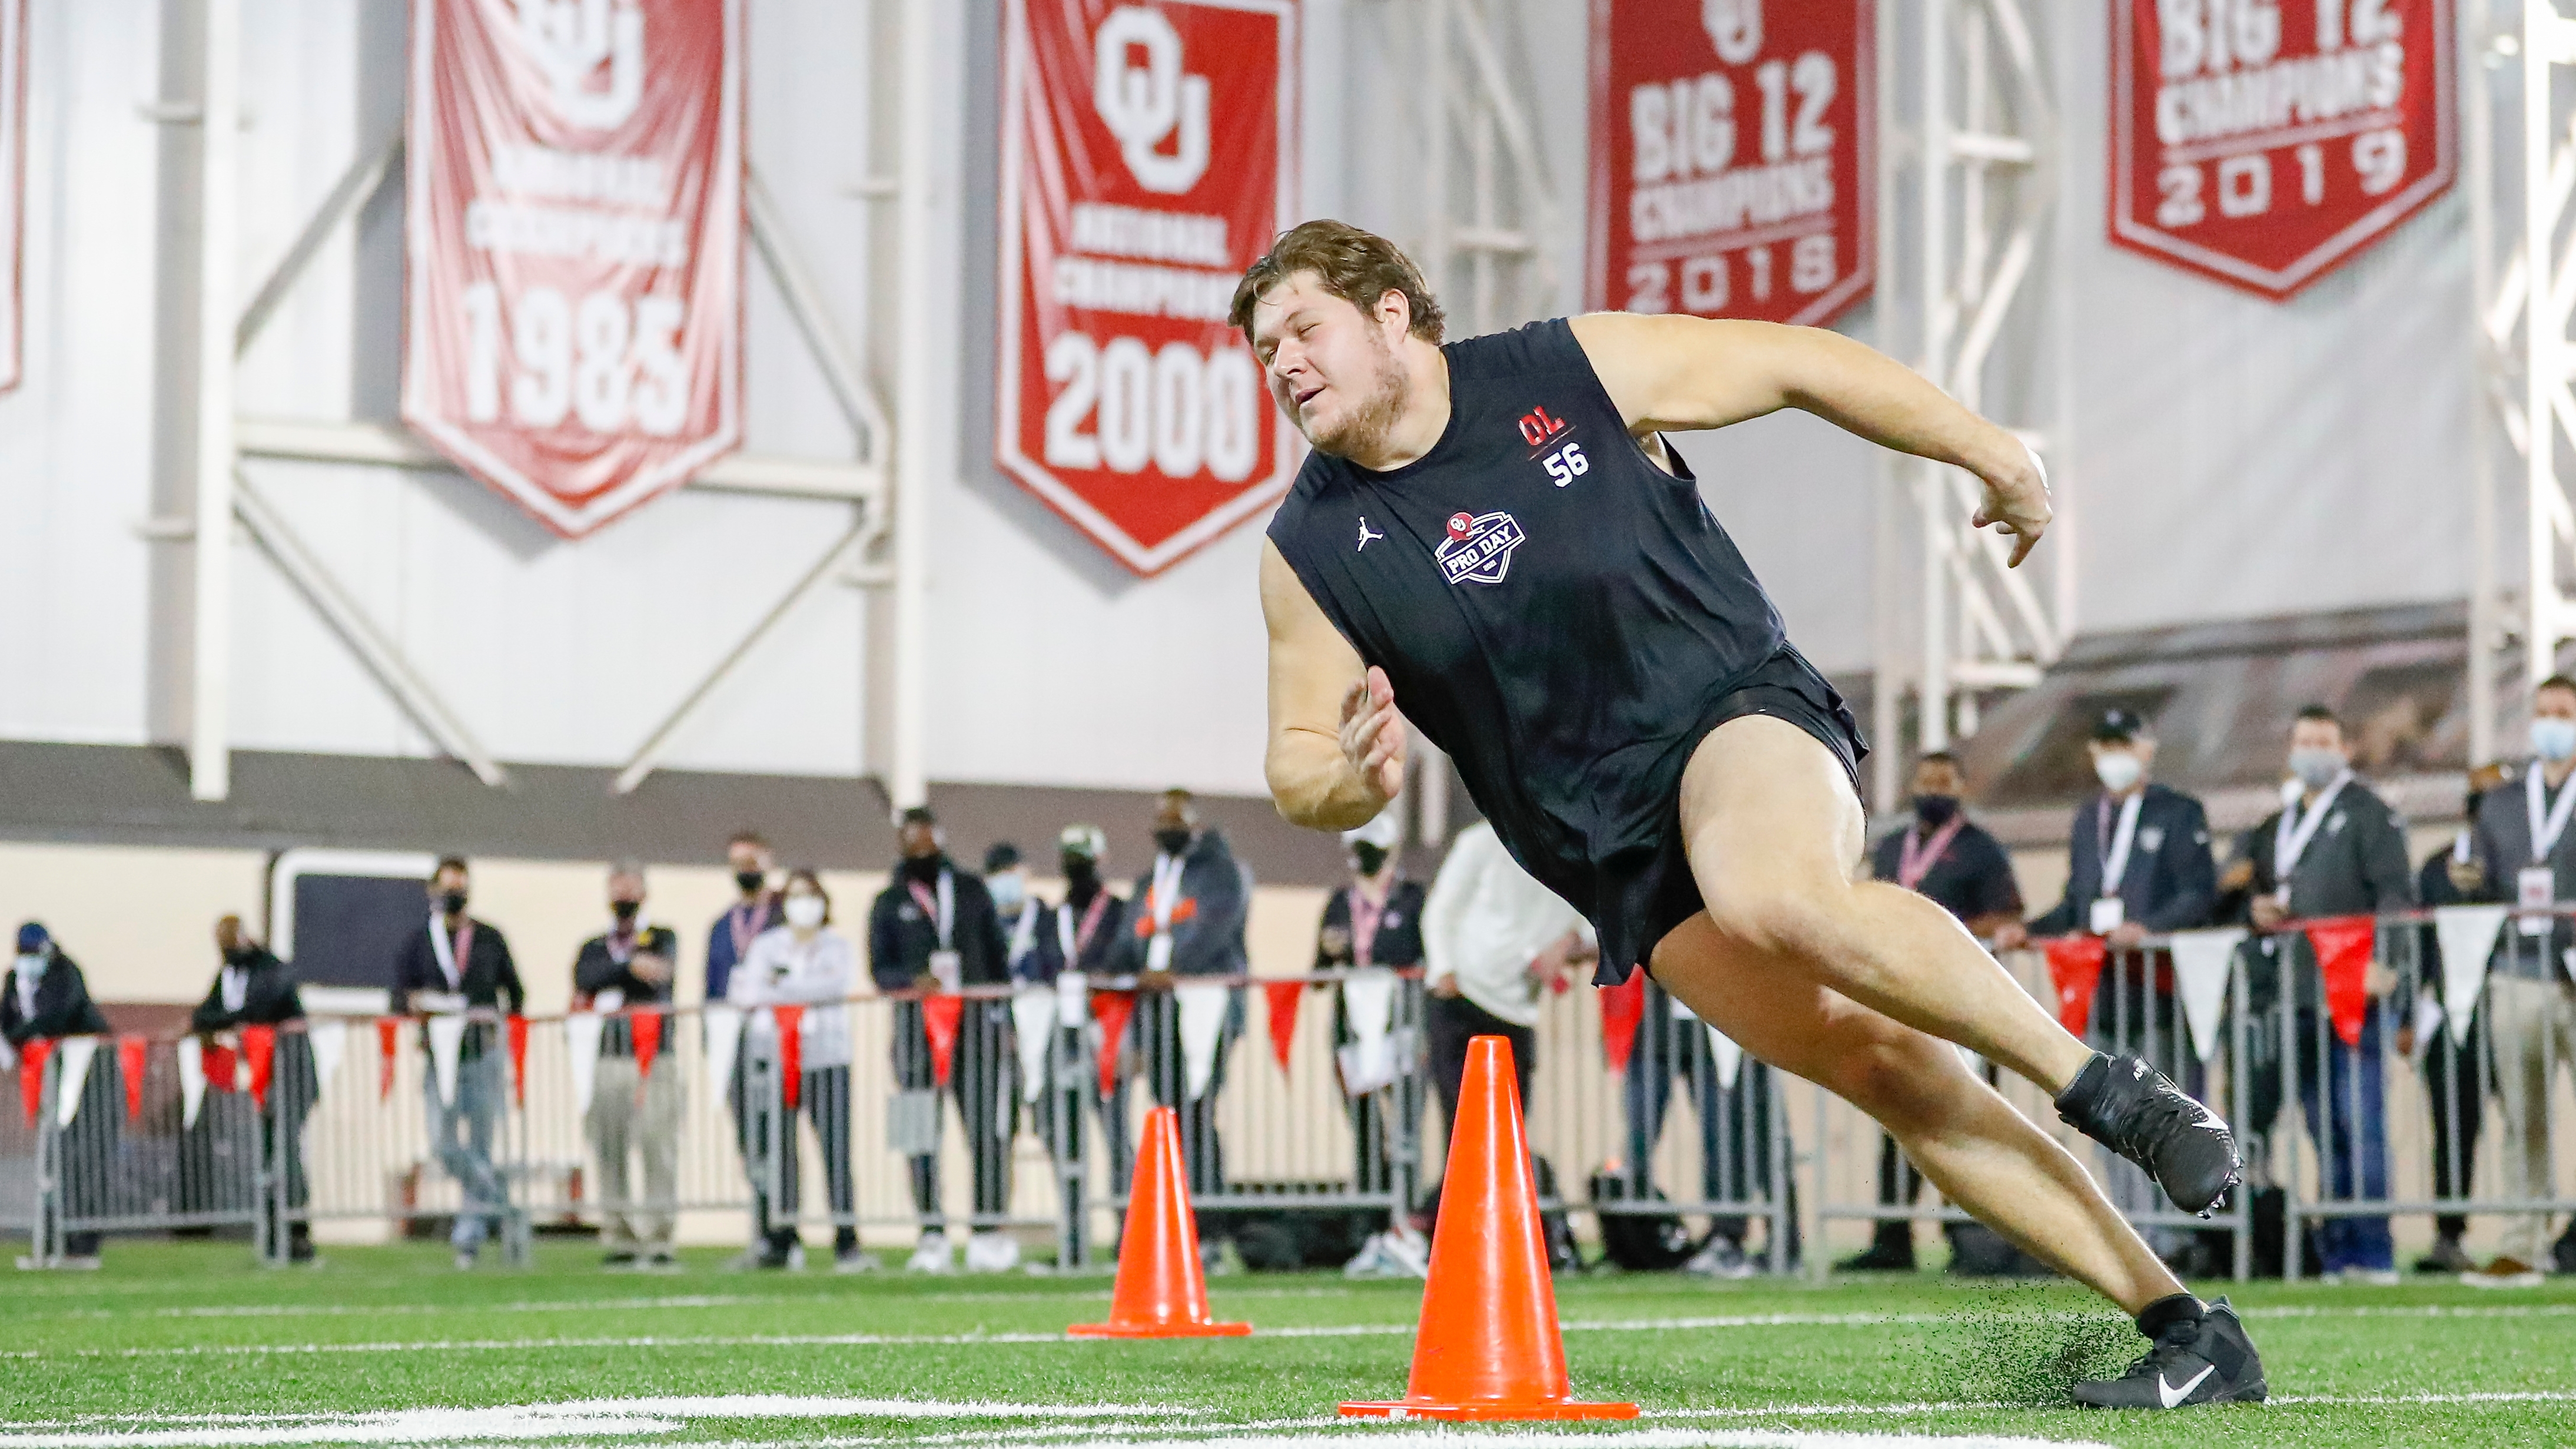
[[649, 755], [1486, 186], [1976, 209], [211, 613], [351, 192], [386, 445], [2540, 192], [770, 236], [339, 608]]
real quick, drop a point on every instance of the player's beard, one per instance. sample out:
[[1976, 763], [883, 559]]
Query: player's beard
[[1367, 424]]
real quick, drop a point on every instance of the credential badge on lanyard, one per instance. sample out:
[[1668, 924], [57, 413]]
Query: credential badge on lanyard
[[2109, 912], [1167, 896], [2536, 884], [946, 966], [2290, 839]]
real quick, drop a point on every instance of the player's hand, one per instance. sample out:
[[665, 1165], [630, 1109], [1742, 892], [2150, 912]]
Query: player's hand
[[2016, 504], [1373, 734]]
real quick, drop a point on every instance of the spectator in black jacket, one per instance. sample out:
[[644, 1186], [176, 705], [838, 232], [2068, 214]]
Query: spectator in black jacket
[[1374, 923], [627, 968], [2454, 1089], [932, 930], [2334, 849], [1090, 925], [253, 988], [47, 1000], [454, 965], [2138, 865], [1186, 919]]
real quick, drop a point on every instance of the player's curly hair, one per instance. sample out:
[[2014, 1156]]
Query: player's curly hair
[[1357, 266]]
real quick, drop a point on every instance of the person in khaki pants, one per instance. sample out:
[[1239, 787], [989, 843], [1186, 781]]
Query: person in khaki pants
[[632, 1112]]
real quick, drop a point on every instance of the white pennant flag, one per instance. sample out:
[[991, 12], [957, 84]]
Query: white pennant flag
[[75, 1052], [330, 1042], [1033, 1025], [192, 1079], [2202, 962], [1202, 1007], [581, 1048], [446, 1033], [724, 1038], [2468, 936], [8, 1057], [1368, 1002], [1730, 1057]]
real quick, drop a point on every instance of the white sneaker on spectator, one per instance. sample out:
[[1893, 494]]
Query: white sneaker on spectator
[[1369, 1261], [931, 1256], [1720, 1257], [749, 1260], [465, 1260], [81, 1264], [795, 1257], [854, 1261], [991, 1252]]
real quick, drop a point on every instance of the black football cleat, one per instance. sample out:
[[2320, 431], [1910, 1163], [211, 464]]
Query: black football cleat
[[2139, 1113], [2195, 1360]]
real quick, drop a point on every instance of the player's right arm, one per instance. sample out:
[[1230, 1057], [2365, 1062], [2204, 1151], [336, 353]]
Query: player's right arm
[[1336, 751]]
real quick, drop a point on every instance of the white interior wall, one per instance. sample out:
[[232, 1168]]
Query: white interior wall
[[2230, 456]]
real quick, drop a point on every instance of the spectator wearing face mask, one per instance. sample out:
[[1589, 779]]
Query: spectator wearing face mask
[[754, 910], [2525, 855], [2335, 848], [803, 964], [1186, 919], [1374, 923], [2138, 865], [2454, 1063], [627, 968], [47, 1000], [455, 965], [1943, 855], [254, 988], [1088, 928], [932, 930]]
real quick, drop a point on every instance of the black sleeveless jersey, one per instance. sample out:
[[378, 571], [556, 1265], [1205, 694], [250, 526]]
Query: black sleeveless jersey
[[1561, 616]]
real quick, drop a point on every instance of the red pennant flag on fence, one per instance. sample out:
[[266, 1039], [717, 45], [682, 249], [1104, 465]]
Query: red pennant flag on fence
[[939, 1017], [1622, 1007], [791, 1050], [130, 1052], [645, 1027], [259, 1048], [2343, 947], [223, 1066], [388, 1033], [516, 1029], [2075, 967], [1111, 1009], [31, 1074], [1283, 997]]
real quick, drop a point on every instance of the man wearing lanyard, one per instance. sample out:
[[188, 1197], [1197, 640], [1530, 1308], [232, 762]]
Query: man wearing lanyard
[[1089, 928], [2138, 865], [1374, 924], [458, 964], [254, 988], [754, 910], [2527, 855], [932, 930], [1186, 920], [2335, 848], [1943, 855]]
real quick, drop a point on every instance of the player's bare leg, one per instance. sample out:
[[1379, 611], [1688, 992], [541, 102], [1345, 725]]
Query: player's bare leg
[[1982, 1154]]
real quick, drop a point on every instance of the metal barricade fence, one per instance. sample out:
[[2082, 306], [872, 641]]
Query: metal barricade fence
[[991, 1109]]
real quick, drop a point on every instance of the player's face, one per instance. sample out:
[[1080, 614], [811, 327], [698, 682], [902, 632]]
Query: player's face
[[1332, 368]]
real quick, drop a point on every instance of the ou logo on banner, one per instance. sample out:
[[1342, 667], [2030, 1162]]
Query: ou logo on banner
[[1734, 27], [570, 39], [1142, 105]]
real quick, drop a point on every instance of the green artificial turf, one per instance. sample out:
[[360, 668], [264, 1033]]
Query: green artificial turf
[[196, 1329]]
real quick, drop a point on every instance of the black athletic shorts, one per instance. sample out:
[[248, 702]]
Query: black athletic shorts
[[1785, 687]]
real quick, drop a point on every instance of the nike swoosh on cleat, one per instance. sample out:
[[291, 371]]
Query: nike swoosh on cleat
[[2172, 1396]]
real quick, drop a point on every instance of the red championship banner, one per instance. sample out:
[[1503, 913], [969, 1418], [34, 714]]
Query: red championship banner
[[1734, 157], [2267, 142], [13, 187], [1148, 158], [574, 317]]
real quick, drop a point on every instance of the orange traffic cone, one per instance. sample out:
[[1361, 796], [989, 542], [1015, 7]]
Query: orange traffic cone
[[1162, 1291], [1488, 1345]]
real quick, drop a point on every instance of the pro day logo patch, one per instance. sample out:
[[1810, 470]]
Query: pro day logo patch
[[1479, 547]]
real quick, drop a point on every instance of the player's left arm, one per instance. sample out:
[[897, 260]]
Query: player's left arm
[[1677, 374]]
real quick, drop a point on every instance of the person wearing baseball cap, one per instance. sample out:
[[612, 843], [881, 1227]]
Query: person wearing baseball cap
[[46, 1000]]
